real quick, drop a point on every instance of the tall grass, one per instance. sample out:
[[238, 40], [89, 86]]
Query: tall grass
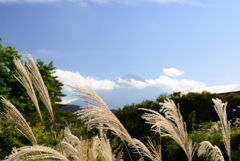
[[167, 122], [170, 125]]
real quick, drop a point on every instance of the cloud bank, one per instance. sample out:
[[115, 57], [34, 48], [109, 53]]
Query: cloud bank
[[172, 72], [163, 82], [73, 79]]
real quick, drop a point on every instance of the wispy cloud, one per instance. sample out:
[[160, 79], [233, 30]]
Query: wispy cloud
[[172, 72], [85, 2], [72, 78]]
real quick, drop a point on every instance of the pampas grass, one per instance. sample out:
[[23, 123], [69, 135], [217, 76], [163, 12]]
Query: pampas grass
[[105, 150], [172, 125], [96, 114], [25, 80], [86, 150], [222, 113], [39, 84], [167, 122], [155, 149], [142, 149], [208, 150], [16, 117], [74, 147], [27, 153]]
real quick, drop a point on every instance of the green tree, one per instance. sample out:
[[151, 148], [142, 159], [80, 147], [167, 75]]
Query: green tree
[[202, 104], [12, 90], [9, 86]]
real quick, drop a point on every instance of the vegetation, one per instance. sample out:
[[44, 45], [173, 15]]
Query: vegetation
[[12, 90], [151, 130]]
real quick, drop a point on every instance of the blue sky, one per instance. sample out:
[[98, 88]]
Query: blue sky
[[172, 44]]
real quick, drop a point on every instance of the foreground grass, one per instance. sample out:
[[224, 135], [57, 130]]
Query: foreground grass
[[49, 139]]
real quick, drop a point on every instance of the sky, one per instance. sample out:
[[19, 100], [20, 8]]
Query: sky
[[174, 45]]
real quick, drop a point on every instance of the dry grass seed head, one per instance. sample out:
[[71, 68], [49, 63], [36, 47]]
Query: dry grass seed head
[[16, 117], [25, 80], [156, 149], [93, 151], [73, 147], [172, 124], [27, 153], [39, 84], [143, 149], [97, 115], [208, 150], [105, 150], [222, 113]]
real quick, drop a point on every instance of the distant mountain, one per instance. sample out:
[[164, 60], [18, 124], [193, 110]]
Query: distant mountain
[[132, 76], [70, 108], [119, 97], [74, 108]]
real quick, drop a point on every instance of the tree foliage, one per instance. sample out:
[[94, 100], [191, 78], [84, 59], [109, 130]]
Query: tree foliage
[[12, 90], [202, 104]]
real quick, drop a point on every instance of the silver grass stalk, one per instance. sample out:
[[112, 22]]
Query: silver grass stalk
[[105, 150], [208, 150], [143, 150], [69, 150], [69, 144], [39, 84], [155, 149], [79, 149], [222, 113], [16, 117], [42, 157], [25, 80], [27, 152], [70, 138], [97, 115], [172, 125], [94, 150], [82, 149]]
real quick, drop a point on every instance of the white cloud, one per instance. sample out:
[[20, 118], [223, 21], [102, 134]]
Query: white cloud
[[133, 83], [175, 84], [85, 2], [172, 72], [138, 84], [66, 100], [120, 80], [163, 82], [71, 78]]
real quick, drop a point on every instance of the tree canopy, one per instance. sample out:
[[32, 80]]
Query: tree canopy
[[12, 90]]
